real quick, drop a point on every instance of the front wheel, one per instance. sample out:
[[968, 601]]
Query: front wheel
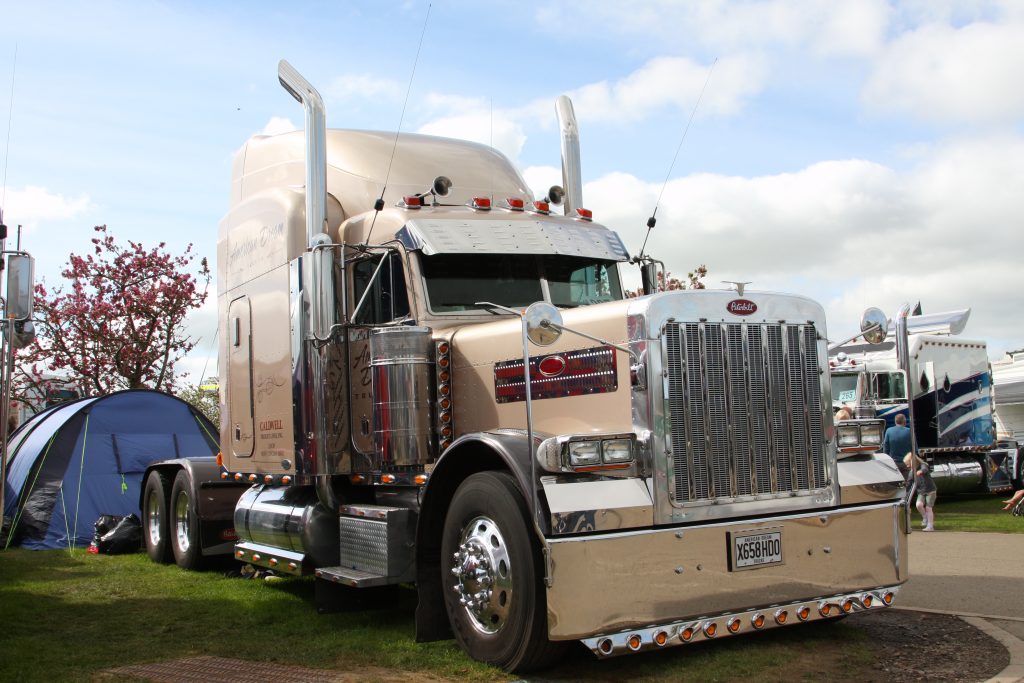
[[493, 578], [184, 524]]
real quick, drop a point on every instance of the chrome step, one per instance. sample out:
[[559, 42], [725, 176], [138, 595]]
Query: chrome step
[[352, 577]]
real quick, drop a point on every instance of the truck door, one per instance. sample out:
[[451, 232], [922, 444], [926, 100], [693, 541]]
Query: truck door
[[386, 302], [240, 408]]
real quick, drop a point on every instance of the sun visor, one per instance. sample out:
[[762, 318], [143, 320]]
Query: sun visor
[[447, 236]]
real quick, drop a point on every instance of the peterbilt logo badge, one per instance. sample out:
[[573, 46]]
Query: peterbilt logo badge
[[551, 366], [742, 307]]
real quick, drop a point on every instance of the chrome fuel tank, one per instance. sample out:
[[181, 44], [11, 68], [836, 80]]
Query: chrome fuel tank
[[402, 370]]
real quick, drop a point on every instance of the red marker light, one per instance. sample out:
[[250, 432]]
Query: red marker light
[[515, 203], [412, 202], [541, 207], [481, 203], [585, 214]]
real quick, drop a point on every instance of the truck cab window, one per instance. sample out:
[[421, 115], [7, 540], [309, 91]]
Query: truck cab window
[[889, 386], [388, 300], [455, 282]]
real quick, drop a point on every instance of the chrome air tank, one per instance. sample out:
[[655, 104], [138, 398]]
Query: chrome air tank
[[402, 371]]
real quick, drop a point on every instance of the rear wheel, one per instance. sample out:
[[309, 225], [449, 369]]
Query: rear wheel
[[154, 506], [184, 524], [493, 576]]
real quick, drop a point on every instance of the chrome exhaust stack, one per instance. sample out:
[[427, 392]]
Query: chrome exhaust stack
[[572, 179], [318, 279]]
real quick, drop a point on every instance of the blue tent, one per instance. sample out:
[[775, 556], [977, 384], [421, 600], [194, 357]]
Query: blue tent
[[76, 461]]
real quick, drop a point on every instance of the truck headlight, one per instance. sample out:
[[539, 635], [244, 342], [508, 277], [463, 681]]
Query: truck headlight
[[871, 435], [617, 450], [849, 435], [583, 453]]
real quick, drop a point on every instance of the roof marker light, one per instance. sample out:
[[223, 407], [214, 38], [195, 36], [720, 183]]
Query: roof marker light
[[542, 207], [515, 203], [412, 201], [585, 214], [481, 203]]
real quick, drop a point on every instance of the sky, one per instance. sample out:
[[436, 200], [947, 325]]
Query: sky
[[863, 153]]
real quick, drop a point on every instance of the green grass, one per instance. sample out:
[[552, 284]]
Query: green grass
[[70, 616], [973, 512]]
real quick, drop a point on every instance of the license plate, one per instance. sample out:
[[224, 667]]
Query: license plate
[[757, 548]]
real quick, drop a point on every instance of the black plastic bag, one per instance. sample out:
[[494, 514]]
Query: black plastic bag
[[124, 537]]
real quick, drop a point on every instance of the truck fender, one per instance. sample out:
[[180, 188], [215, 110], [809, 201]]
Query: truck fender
[[471, 453]]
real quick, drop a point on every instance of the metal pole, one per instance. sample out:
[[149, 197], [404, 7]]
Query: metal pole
[[5, 378], [903, 358]]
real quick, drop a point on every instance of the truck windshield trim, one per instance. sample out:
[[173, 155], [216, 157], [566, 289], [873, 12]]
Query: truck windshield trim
[[456, 282]]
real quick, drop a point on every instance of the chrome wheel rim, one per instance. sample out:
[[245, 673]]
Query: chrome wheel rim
[[483, 572], [153, 520], [181, 521]]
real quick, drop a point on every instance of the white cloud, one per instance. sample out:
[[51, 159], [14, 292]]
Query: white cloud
[[675, 82], [849, 234], [948, 75], [32, 205], [277, 125]]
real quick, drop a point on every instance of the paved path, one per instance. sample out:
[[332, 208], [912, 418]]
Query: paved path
[[975, 574]]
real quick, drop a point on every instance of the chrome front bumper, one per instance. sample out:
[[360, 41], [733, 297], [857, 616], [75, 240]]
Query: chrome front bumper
[[606, 586]]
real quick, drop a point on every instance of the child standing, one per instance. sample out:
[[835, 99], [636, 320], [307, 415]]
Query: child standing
[[926, 491]]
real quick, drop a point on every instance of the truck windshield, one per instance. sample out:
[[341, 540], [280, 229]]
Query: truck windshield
[[844, 388], [888, 386], [455, 282]]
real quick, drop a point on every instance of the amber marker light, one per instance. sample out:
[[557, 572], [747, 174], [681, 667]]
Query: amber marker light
[[634, 642], [686, 634], [757, 621], [238, 476], [357, 479], [887, 598], [420, 479], [803, 612], [223, 475], [273, 562], [387, 478], [239, 553], [825, 609], [268, 479], [660, 638], [256, 557], [710, 629], [220, 459], [442, 347], [292, 566], [847, 605], [605, 646], [867, 601], [286, 479], [734, 624], [252, 477], [781, 616]]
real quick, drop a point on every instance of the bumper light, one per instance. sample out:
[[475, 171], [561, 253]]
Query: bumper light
[[757, 621], [803, 613], [710, 629], [867, 600], [734, 625], [781, 616], [686, 634], [634, 642]]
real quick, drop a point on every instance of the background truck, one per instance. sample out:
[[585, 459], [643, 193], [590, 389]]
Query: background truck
[[428, 378], [950, 383]]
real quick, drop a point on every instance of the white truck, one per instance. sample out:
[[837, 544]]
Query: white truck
[[427, 377], [948, 380]]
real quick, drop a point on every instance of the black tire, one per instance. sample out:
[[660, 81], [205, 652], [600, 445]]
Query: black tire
[[184, 524], [155, 513], [489, 556]]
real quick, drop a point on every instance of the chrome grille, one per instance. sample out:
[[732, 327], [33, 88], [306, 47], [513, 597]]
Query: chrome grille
[[744, 403]]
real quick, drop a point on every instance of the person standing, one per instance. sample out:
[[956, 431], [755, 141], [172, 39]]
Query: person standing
[[926, 491], [896, 443]]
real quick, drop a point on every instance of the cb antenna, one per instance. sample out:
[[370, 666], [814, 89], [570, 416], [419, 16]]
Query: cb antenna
[[378, 205], [653, 220], [7, 149]]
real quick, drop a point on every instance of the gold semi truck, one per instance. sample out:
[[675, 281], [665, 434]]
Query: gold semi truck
[[429, 378]]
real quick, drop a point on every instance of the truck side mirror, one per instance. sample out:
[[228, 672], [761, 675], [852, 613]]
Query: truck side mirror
[[649, 277], [543, 323], [20, 286], [874, 325]]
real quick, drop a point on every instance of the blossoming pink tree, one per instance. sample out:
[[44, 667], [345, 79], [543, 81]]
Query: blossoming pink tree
[[116, 322]]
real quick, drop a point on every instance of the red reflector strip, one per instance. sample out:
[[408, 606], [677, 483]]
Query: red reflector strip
[[587, 371]]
